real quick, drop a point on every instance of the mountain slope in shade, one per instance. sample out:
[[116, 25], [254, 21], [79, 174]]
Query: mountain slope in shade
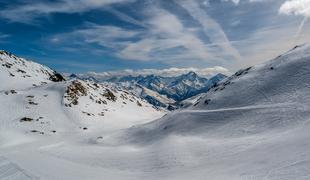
[[18, 72]]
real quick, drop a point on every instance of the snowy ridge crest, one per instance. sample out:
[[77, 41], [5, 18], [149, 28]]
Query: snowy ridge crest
[[16, 72]]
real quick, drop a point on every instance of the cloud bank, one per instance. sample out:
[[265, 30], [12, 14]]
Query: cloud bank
[[299, 8], [296, 7], [171, 72]]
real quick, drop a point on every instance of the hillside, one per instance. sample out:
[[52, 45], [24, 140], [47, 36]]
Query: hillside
[[252, 125], [34, 102], [277, 90], [19, 73], [256, 120]]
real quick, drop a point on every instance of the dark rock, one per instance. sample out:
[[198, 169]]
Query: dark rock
[[21, 71], [57, 77], [25, 119], [109, 95], [139, 104]]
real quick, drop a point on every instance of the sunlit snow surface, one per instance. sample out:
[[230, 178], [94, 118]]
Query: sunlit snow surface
[[254, 125]]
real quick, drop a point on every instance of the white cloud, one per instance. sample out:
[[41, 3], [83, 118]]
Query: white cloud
[[211, 28], [26, 13], [3, 37], [296, 7], [234, 1], [125, 17], [107, 36], [166, 31], [268, 43], [238, 1], [164, 38], [170, 72]]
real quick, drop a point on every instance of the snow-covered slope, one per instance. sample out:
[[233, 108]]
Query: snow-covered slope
[[72, 106], [103, 103], [16, 72], [36, 102], [262, 98], [253, 125]]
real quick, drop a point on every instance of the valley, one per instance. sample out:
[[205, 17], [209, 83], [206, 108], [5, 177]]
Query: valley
[[251, 125]]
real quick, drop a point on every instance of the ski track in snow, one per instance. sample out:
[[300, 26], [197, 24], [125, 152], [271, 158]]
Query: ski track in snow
[[11, 171], [278, 105]]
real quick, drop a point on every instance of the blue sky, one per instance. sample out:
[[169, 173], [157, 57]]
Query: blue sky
[[105, 35]]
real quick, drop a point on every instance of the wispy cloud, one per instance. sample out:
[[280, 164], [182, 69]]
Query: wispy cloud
[[268, 43], [106, 36], [3, 37], [125, 17], [211, 28], [166, 32], [238, 1], [165, 38], [28, 12], [297, 7], [177, 33]]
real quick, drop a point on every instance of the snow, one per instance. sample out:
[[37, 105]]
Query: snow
[[158, 100], [19, 73], [253, 125], [176, 88]]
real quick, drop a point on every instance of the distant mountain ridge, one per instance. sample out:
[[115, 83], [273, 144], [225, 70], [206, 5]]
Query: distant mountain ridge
[[177, 88]]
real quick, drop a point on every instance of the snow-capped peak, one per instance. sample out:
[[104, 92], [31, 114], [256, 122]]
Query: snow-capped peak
[[16, 72]]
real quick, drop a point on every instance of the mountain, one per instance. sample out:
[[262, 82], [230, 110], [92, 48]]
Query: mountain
[[38, 106], [252, 125], [177, 88], [153, 97], [255, 124], [18, 72], [270, 96], [35, 93], [161, 91]]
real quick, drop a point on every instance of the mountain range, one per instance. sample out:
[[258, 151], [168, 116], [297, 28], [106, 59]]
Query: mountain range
[[169, 91], [46, 98]]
